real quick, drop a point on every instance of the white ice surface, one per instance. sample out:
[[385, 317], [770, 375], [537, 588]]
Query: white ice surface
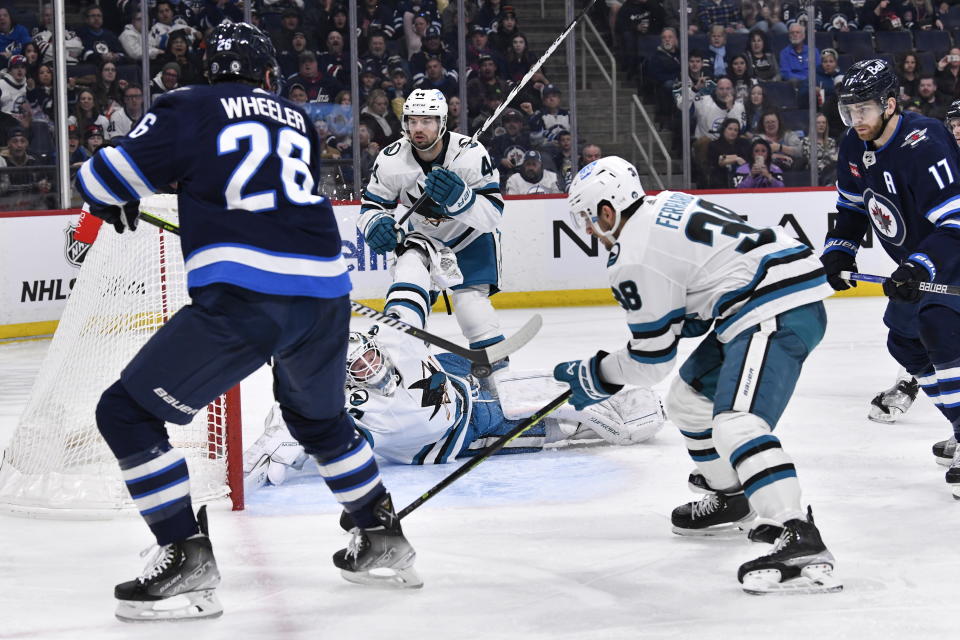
[[569, 544]]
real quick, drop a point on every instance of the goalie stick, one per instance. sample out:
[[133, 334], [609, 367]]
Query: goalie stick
[[481, 359], [929, 287], [506, 103]]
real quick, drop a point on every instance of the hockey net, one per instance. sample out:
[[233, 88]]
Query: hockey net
[[57, 464]]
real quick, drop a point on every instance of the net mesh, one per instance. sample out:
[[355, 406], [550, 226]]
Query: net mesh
[[57, 463]]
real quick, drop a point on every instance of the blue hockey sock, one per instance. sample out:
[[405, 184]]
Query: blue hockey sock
[[159, 484], [354, 479]]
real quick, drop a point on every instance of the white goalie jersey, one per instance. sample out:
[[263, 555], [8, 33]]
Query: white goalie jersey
[[397, 181], [682, 263]]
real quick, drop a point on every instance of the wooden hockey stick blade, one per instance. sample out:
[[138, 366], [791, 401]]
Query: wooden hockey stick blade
[[501, 442], [928, 287], [483, 359]]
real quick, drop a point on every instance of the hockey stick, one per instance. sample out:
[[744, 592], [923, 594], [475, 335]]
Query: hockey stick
[[929, 287], [500, 443], [482, 359], [506, 103]]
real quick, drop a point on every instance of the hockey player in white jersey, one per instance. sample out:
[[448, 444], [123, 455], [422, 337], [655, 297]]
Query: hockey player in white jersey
[[680, 265], [414, 407], [463, 209]]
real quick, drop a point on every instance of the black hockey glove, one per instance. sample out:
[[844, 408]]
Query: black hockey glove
[[121, 218], [903, 285], [833, 263]]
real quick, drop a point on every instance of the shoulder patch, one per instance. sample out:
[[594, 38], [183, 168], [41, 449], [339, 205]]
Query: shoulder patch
[[914, 138]]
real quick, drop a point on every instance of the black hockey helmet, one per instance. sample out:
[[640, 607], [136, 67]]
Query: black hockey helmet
[[866, 80], [241, 50], [953, 111]]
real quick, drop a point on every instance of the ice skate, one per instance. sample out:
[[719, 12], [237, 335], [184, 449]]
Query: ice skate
[[382, 549], [178, 583], [715, 514], [889, 405], [953, 473], [943, 451], [799, 563]]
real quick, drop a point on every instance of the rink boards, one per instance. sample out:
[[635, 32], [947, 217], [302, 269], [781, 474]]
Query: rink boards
[[546, 260]]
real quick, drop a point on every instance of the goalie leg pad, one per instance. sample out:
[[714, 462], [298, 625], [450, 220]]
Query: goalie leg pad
[[692, 412], [766, 472]]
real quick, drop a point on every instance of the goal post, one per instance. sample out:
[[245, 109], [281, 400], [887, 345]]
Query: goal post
[[56, 463]]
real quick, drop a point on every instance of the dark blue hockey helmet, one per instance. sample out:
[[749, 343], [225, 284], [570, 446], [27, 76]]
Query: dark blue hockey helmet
[[867, 80], [953, 111], [240, 50]]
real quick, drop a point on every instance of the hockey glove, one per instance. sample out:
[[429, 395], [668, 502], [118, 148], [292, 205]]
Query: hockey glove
[[448, 189], [833, 263], [121, 218], [583, 376], [382, 234], [903, 285]]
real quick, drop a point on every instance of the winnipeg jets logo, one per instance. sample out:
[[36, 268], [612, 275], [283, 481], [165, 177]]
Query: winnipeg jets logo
[[433, 386], [914, 138], [886, 217]]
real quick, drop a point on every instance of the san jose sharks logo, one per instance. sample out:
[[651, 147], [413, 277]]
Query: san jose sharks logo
[[914, 138], [429, 209], [886, 217], [434, 387], [614, 254]]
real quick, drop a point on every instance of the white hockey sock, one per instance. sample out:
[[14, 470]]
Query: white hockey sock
[[766, 472]]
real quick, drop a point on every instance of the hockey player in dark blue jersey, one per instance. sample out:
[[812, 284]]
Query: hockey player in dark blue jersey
[[267, 282], [900, 171]]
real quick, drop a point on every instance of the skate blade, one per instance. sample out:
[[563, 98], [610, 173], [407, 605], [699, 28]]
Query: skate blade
[[406, 578], [186, 606], [814, 578], [876, 415]]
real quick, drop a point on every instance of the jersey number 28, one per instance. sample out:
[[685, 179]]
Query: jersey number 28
[[291, 147]]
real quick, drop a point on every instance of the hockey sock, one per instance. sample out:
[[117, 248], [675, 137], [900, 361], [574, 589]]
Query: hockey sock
[[714, 467], [938, 333], [354, 479], [766, 472], [159, 484], [476, 316]]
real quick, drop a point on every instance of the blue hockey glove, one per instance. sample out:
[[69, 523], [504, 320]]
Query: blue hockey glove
[[903, 284], [382, 234], [447, 188], [833, 263], [583, 376], [121, 218]]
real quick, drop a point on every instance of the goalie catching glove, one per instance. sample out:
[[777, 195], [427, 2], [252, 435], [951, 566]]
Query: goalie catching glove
[[121, 218]]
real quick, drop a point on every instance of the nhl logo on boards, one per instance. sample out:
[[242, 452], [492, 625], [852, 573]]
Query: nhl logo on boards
[[869, 159], [885, 216], [73, 250]]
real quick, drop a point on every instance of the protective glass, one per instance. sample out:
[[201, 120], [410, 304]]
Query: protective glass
[[860, 113]]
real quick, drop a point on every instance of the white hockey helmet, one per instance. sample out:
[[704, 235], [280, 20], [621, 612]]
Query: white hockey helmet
[[369, 365], [612, 181], [425, 102]]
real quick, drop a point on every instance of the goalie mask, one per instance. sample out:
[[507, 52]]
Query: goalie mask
[[423, 102], [612, 181], [369, 365]]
